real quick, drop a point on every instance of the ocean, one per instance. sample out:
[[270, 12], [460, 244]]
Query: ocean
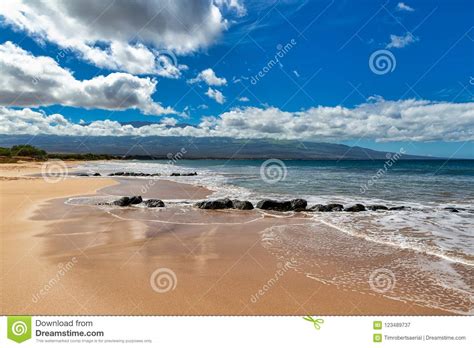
[[442, 239], [425, 187]]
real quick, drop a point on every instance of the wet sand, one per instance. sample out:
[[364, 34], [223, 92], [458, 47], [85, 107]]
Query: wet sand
[[156, 187], [23, 269], [76, 259]]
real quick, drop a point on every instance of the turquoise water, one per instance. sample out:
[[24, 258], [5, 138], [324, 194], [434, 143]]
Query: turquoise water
[[440, 242], [426, 188], [420, 181]]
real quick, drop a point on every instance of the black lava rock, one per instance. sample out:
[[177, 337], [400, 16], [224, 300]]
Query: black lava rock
[[136, 200], [319, 207], [122, 202], [355, 208], [327, 207], [217, 204], [242, 205], [154, 203], [126, 201], [269, 204], [298, 204], [335, 207], [377, 207]]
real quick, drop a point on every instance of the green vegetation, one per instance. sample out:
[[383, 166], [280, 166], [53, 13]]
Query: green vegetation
[[27, 151], [5, 151], [21, 152], [32, 153], [81, 156]]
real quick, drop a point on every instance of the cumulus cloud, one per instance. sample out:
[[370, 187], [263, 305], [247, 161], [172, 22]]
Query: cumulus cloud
[[401, 41], [401, 6], [234, 5], [27, 80], [169, 121], [244, 99], [209, 77], [216, 95], [124, 35], [378, 119]]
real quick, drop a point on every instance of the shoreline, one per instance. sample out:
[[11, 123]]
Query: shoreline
[[218, 267]]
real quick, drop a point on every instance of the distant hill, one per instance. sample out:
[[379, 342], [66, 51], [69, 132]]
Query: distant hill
[[208, 147], [138, 124]]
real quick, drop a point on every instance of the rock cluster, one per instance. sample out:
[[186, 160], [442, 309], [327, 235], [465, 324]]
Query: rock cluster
[[293, 205], [133, 200], [184, 174], [266, 204], [225, 203], [126, 201], [327, 207], [297, 205], [154, 203], [133, 174], [148, 174], [87, 174]]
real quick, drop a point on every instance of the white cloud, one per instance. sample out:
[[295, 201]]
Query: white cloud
[[209, 77], [401, 41], [169, 121], [234, 5], [378, 119], [401, 6], [216, 95], [244, 99], [123, 35], [26, 80]]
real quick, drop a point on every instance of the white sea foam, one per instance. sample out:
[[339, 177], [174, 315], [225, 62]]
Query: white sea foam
[[441, 242], [212, 180], [425, 227], [332, 256]]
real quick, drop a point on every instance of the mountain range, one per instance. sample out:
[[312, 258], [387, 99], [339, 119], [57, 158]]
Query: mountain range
[[198, 148]]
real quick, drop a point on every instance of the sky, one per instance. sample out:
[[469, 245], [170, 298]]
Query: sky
[[380, 74]]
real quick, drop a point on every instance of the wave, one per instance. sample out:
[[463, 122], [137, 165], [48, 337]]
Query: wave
[[333, 257], [426, 228]]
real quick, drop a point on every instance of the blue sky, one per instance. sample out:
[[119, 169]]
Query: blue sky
[[327, 44]]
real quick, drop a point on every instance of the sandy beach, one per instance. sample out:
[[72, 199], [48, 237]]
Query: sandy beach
[[59, 258]]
